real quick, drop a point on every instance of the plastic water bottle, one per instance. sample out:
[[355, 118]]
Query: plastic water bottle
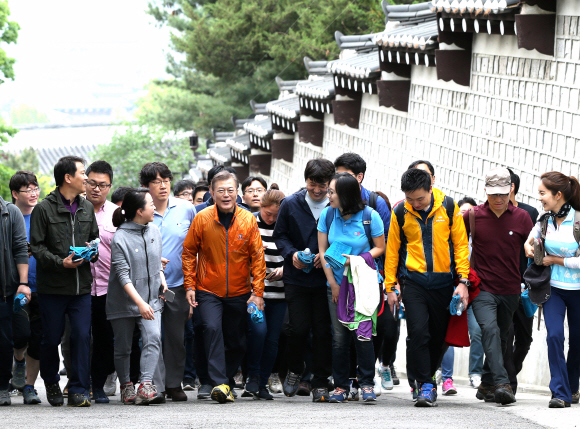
[[95, 243], [460, 308], [308, 258], [402, 311], [20, 301], [256, 315]]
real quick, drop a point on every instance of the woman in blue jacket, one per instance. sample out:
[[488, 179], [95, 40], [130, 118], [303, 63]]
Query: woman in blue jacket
[[560, 198], [347, 207]]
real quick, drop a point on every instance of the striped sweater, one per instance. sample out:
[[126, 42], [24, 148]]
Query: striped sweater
[[273, 289], [560, 242]]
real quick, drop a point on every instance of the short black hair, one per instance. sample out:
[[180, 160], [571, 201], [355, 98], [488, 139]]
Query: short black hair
[[466, 200], [183, 185], [422, 161], [102, 167], [515, 180], [119, 194], [200, 188], [149, 172], [218, 168], [348, 190], [248, 181], [415, 178], [351, 161], [66, 165], [22, 178], [319, 170]]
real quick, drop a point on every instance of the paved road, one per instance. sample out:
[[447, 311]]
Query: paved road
[[393, 409]]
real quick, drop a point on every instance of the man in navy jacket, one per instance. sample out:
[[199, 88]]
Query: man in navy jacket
[[306, 292]]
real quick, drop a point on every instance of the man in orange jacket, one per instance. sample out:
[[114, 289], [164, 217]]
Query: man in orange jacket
[[221, 252]]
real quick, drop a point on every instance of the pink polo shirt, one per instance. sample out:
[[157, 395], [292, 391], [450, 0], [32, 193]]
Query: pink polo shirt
[[102, 267]]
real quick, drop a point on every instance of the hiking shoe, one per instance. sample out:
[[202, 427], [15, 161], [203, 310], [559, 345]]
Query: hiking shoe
[[291, 384], [146, 394], [396, 380], [54, 395], [176, 394], [264, 394], [222, 394], [485, 392], [30, 396], [320, 395], [252, 384], [504, 394], [5, 397], [274, 383], [100, 396], [576, 397], [78, 400], [386, 379], [558, 403], [475, 380], [188, 384], [368, 394], [111, 384], [19, 375], [204, 391], [427, 396], [304, 389], [339, 396], [128, 394], [449, 388]]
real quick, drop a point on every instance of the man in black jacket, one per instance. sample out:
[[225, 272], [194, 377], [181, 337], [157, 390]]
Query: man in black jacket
[[306, 292], [13, 281], [64, 219]]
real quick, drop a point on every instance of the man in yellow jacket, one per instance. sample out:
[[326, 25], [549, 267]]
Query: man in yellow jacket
[[222, 250], [426, 249]]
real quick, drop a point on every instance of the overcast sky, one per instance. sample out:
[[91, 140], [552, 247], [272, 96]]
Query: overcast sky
[[77, 53]]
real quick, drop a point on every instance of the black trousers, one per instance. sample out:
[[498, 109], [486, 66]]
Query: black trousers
[[427, 318], [199, 355], [519, 341], [308, 310], [102, 363], [224, 334]]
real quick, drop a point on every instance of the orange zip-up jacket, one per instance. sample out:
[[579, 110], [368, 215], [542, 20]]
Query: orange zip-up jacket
[[222, 263]]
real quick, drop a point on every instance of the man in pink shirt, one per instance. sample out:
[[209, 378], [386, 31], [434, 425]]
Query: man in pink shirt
[[98, 185]]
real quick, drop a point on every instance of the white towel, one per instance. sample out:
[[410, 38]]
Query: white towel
[[366, 289]]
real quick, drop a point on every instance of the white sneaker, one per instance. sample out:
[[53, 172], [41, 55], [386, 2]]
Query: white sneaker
[[475, 380], [111, 384], [386, 380], [378, 389], [274, 383], [438, 377]]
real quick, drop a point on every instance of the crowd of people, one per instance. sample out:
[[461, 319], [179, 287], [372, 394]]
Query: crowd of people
[[212, 288]]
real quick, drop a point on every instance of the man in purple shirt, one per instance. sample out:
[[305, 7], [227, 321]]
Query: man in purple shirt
[[98, 186], [500, 228]]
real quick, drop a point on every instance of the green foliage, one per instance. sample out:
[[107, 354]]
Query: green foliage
[[25, 114], [8, 34], [5, 174], [27, 159], [139, 144]]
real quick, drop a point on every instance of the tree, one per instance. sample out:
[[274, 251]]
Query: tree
[[8, 34], [139, 144], [25, 160]]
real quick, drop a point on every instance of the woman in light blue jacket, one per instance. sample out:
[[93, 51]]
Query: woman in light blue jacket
[[560, 198]]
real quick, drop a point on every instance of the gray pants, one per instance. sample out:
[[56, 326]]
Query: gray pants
[[494, 314], [174, 316], [151, 357]]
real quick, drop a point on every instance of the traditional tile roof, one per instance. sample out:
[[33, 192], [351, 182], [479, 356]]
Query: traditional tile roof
[[49, 156], [360, 43], [316, 88], [362, 66], [409, 14], [315, 67], [477, 8], [220, 153], [287, 108], [421, 36], [260, 127]]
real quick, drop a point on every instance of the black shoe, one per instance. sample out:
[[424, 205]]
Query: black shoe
[[252, 385], [558, 403], [486, 392], [264, 394], [54, 395], [320, 395], [78, 400], [304, 389], [504, 395], [394, 377], [291, 384]]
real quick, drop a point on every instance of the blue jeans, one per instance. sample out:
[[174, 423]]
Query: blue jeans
[[189, 372], [263, 340], [476, 349], [564, 372], [447, 364], [365, 353]]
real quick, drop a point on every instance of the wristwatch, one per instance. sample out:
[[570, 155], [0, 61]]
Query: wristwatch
[[23, 284], [465, 281]]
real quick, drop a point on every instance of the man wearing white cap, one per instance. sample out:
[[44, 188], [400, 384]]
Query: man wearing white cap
[[500, 229]]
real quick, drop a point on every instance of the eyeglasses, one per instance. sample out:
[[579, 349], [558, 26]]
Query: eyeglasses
[[101, 186], [258, 191], [222, 191], [159, 182], [185, 194], [30, 191], [499, 195]]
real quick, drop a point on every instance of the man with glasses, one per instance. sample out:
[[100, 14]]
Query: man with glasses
[[500, 229], [222, 252], [184, 189], [253, 188], [173, 216], [98, 186]]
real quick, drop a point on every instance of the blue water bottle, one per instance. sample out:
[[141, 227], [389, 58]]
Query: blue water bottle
[[256, 315], [307, 258], [20, 301]]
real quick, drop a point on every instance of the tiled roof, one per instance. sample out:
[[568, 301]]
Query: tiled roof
[[240, 143], [221, 136], [220, 153], [261, 126], [316, 88], [48, 157], [476, 7], [422, 36], [362, 66], [315, 67], [409, 14], [288, 108], [360, 43], [258, 108], [286, 85]]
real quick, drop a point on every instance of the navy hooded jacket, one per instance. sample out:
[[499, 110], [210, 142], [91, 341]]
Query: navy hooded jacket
[[296, 230]]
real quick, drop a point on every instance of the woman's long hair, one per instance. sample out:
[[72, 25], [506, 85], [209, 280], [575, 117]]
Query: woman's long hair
[[569, 186], [348, 190]]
